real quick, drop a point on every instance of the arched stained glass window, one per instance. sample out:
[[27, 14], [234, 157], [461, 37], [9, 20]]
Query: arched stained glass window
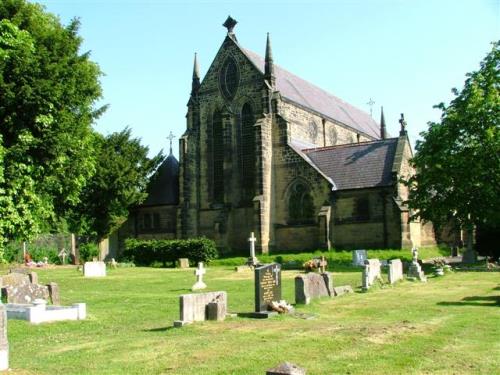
[[247, 153], [300, 205], [217, 158]]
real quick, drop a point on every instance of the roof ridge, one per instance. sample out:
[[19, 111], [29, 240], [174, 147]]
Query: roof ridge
[[346, 145]]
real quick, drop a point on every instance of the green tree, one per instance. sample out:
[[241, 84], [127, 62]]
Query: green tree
[[122, 173], [47, 95], [458, 160]]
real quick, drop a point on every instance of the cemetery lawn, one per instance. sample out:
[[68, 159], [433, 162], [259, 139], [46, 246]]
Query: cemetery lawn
[[450, 325]]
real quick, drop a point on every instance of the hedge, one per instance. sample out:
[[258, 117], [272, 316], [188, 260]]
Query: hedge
[[148, 252]]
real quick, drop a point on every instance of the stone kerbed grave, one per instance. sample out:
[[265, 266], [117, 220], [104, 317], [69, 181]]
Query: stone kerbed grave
[[313, 285], [198, 307], [286, 368], [342, 289], [359, 257], [39, 312], [183, 263], [94, 269], [4, 343], [371, 273], [395, 271], [22, 288]]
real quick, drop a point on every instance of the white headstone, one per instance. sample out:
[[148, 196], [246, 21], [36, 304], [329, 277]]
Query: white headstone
[[199, 272], [94, 269], [395, 271], [359, 257], [371, 272], [4, 343]]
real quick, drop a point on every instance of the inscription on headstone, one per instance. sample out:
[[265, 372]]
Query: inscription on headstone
[[267, 286]]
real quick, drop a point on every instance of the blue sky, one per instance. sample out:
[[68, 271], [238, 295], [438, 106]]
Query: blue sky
[[404, 54]]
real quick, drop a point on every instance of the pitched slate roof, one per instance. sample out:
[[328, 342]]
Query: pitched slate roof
[[312, 97], [163, 188], [357, 165]]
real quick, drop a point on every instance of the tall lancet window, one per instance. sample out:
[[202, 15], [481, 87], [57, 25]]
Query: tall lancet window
[[247, 154], [217, 158]]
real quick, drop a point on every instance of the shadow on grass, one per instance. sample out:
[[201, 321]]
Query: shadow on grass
[[159, 329], [492, 301]]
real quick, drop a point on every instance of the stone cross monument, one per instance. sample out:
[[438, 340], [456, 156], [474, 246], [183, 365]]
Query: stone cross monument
[[252, 260], [199, 272]]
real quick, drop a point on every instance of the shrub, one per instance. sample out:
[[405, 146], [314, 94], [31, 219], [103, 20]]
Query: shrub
[[149, 252], [88, 251]]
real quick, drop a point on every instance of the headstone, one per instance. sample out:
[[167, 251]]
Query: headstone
[[359, 257], [193, 307], [395, 270], [216, 311], [267, 286], [415, 271], [252, 260], [286, 368], [371, 272], [4, 343], [17, 288], [199, 272], [94, 269], [33, 276], [183, 263], [312, 285], [54, 293]]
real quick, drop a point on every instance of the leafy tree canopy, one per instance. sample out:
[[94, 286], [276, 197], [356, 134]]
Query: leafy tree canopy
[[122, 173], [458, 160], [47, 95]]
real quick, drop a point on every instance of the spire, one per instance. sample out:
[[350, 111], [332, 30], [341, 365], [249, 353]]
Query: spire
[[269, 64], [195, 86], [229, 24], [383, 134], [402, 121]]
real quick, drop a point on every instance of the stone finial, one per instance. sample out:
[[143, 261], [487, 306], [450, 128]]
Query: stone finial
[[170, 137], [229, 24], [269, 63], [403, 125], [195, 86], [383, 133]]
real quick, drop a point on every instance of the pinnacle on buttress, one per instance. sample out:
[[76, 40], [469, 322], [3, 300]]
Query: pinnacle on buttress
[[383, 133], [196, 76], [269, 64]]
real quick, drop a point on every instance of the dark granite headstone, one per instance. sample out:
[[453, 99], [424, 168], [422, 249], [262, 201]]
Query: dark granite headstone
[[267, 286]]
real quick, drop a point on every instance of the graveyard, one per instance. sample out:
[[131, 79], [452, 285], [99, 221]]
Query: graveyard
[[449, 324]]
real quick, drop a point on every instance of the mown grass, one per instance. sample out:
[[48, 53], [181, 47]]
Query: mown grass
[[449, 325]]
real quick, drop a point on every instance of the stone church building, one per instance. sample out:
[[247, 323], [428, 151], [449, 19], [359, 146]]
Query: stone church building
[[268, 152]]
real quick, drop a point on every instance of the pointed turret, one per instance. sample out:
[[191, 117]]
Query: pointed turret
[[195, 86], [383, 133], [269, 64]]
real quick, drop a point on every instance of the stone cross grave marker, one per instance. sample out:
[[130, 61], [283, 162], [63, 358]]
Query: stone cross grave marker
[[267, 286], [252, 261], [62, 255], [322, 264], [199, 272]]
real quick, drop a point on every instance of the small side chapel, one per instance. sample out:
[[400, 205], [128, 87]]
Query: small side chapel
[[268, 152]]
